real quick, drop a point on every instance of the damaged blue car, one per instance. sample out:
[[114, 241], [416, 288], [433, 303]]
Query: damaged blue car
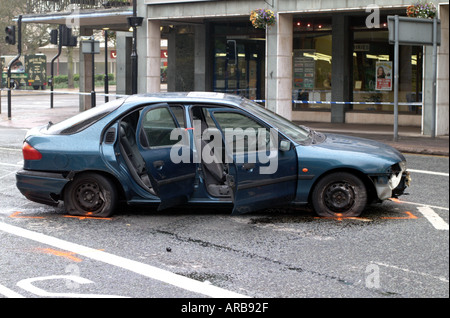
[[171, 149]]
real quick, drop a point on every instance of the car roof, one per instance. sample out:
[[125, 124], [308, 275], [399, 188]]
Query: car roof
[[197, 97]]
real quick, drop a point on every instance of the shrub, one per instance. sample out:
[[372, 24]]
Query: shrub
[[61, 79]]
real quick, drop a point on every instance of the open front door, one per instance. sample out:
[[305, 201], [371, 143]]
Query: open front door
[[160, 142], [262, 174]]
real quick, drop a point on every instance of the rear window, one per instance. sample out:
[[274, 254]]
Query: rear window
[[83, 120]]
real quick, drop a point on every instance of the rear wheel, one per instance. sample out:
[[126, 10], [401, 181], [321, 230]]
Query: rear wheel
[[339, 194], [90, 194]]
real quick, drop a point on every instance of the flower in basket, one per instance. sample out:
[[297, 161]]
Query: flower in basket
[[426, 10], [262, 18]]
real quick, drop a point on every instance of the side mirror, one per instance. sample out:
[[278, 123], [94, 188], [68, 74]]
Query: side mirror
[[285, 145]]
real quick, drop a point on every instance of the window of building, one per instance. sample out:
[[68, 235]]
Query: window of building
[[373, 69], [373, 73], [312, 58]]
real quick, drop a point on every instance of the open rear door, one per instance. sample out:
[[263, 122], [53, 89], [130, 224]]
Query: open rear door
[[161, 142]]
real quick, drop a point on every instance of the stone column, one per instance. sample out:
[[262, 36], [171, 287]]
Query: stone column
[[85, 74], [153, 58], [182, 59], [442, 81], [279, 46], [442, 88], [200, 58], [342, 67], [123, 63], [171, 61]]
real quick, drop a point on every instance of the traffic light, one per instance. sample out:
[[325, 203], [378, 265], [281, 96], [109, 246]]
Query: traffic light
[[54, 36], [10, 34], [67, 38]]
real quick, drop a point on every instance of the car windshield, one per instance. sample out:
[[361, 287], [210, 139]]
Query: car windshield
[[294, 132], [83, 120]]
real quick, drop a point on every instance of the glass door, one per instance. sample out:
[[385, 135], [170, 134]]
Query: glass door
[[239, 67]]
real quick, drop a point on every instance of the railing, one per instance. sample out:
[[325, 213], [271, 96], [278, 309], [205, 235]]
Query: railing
[[47, 6]]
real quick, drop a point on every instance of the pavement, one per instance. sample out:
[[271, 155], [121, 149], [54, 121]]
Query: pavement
[[410, 139]]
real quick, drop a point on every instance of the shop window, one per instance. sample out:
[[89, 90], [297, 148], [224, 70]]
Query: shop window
[[373, 73], [312, 58], [373, 67]]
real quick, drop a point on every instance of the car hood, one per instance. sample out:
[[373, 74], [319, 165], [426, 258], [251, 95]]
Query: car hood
[[350, 144]]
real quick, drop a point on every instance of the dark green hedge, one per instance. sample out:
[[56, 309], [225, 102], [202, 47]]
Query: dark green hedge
[[64, 78]]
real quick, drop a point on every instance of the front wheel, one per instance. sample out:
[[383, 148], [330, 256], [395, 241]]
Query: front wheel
[[339, 194], [90, 194]]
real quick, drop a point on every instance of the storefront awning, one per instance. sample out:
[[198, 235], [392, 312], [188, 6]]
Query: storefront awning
[[93, 19]]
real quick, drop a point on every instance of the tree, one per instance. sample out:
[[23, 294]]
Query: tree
[[33, 35], [9, 10]]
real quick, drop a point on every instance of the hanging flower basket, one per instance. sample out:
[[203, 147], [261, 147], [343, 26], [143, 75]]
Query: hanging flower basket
[[424, 10], [262, 18]]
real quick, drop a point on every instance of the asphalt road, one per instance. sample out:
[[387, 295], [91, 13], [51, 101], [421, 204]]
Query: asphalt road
[[394, 250]]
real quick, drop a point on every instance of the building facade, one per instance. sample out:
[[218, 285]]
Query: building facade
[[318, 52], [322, 61]]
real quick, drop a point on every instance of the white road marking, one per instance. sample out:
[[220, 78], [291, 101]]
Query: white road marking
[[8, 174], [27, 284], [146, 270], [421, 204], [10, 165], [445, 174], [10, 149], [433, 218], [9, 293], [443, 279]]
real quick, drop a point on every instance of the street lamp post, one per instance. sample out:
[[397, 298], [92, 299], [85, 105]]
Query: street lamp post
[[11, 63], [93, 98], [134, 64], [106, 66], [134, 22], [52, 67], [90, 46]]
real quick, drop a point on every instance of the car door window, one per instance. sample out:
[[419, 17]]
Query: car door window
[[243, 134], [178, 112], [159, 123]]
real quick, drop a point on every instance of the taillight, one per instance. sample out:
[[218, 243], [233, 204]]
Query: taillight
[[29, 153]]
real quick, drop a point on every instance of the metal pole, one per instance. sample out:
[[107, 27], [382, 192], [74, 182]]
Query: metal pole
[[433, 94], [396, 58], [106, 67], [52, 64], [14, 60], [134, 56], [1, 84], [93, 99]]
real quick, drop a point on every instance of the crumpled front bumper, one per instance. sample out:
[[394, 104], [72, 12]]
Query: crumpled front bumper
[[405, 182], [393, 184]]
